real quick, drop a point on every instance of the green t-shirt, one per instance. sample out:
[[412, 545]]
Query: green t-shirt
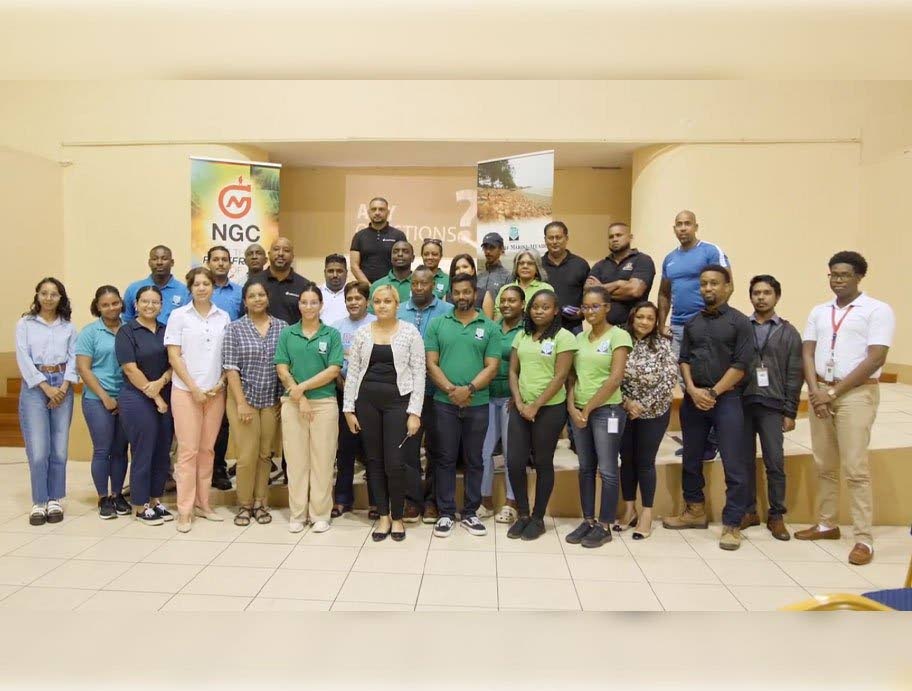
[[536, 364], [462, 350], [307, 357], [593, 364], [533, 288], [441, 284], [500, 385], [403, 287]]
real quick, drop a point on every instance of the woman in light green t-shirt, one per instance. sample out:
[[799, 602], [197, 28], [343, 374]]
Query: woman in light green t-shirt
[[594, 403], [539, 364]]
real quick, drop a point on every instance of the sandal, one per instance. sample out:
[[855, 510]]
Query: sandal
[[261, 515], [243, 516], [507, 514]]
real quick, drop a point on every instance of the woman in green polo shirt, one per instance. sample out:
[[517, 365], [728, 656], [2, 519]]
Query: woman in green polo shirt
[[431, 254], [528, 274], [308, 358], [539, 365], [594, 403]]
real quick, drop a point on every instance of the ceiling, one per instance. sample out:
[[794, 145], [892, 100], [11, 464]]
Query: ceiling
[[494, 39], [354, 154]]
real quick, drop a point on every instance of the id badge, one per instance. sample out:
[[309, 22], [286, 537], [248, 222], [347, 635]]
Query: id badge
[[829, 372], [763, 377], [613, 424]]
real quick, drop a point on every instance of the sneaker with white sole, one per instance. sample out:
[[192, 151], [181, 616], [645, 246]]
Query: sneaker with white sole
[[443, 527], [163, 513], [474, 525], [320, 526], [54, 511], [106, 508], [147, 516], [38, 515], [295, 526], [121, 505], [484, 512]]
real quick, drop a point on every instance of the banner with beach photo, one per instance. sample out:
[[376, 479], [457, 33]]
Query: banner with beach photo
[[234, 204], [515, 199]]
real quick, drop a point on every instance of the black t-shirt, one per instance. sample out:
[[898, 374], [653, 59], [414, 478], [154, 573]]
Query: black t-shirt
[[283, 295], [567, 279], [135, 343], [376, 248], [634, 265]]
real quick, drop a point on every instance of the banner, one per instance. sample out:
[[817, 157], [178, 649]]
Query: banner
[[514, 199], [234, 204]]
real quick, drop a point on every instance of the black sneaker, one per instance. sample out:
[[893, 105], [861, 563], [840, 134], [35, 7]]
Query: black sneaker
[[121, 505], [232, 471], [221, 482], [443, 527], [577, 535], [474, 525], [147, 516], [106, 509], [534, 530], [519, 526], [163, 513], [596, 537]]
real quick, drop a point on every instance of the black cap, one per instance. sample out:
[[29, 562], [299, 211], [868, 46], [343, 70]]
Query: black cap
[[493, 239]]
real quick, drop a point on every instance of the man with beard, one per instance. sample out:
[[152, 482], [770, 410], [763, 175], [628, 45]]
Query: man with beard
[[715, 355], [626, 273], [174, 292], [370, 246], [494, 275], [282, 284]]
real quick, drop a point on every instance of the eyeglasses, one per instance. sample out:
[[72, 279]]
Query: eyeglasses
[[592, 308], [841, 277], [432, 241]]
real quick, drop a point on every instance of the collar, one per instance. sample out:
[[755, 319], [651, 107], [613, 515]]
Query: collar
[[172, 281], [322, 331], [479, 317], [518, 325], [392, 278], [191, 309], [720, 311], [547, 258], [633, 253], [136, 326], [230, 286], [386, 227], [775, 319], [275, 279], [35, 317], [99, 325], [409, 305], [860, 300], [326, 289], [497, 265]]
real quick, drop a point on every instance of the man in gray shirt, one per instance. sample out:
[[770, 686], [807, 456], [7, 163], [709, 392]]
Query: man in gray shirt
[[494, 275]]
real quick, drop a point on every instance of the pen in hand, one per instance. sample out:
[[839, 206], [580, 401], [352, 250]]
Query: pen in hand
[[404, 439]]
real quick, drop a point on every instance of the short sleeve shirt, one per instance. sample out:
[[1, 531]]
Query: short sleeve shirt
[[307, 357], [462, 350], [333, 308], [228, 298], [537, 362], [634, 265], [252, 357], [403, 286], [500, 385], [200, 340], [593, 361], [682, 268], [97, 342], [533, 288], [347, 328], [568, 279], [174, 295], [283, 294], [421, 318], [375, 248], [441, 285], [137, 344]]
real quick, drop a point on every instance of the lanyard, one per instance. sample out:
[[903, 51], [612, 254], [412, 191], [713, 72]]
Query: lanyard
[[837, 324], [760, 351]]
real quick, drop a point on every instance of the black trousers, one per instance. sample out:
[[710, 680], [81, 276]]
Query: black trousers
[[220, 466], [759, 419], [539, 439], [381, 412], [418, 494], [639, 447]]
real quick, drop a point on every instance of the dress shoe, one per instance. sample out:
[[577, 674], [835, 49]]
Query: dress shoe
[[776, 526], [749, 521], [813, 533], [397, 535], [861, 554], [430, 514]]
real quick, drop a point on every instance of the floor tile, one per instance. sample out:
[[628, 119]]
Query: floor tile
[[749, 572], [90, 525], [452, 609], [116, 601], [537, 593], [463, 591], [184, 602], [155, 578], [794, 550], [764, 598], [344, 606], [532, 565], [390, 561], [253, 554], [669, 570], [91, 575], [56, 546], [605, 596], [275, 533], [228, 580], [549, 543], [708, 548], [8, 590], [273, 604], [24, 570], [45, 599], [124, 549], [139, 531], [663, 549], [882, 575], [689, 597], [304, 585], [829, 575], [616, 548], [208, 531], [460, 563], [462, 540], [597, 569], [13, 541], [336, 537], [417, 538], [380, 587], [886, 551], [320, 558], [189, 552]]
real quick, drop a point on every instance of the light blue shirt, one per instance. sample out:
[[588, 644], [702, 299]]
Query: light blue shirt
[[347, 328], [174, 295], [682, 268], [40, 343], [228, 298], [97, 342], [421, 318]]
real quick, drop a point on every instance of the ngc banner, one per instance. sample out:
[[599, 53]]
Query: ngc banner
[[234, 204]]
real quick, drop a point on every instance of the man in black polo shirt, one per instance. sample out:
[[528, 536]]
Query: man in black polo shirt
[[626, 273], [567, 273], [716, 351], [371, 246], [282, 284]]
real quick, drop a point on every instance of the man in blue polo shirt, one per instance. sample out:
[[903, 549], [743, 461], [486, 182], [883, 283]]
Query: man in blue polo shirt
[[174, 292], [420, 309]]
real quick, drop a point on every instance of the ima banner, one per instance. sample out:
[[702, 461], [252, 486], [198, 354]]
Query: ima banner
[[514, 199], [234, 204]]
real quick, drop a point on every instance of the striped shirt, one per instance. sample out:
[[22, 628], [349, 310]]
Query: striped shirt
[[252, 356]]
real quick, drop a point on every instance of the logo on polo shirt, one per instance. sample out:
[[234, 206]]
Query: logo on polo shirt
[[321, 347], [479, 334], [629, 266], [440, 286], [547, 348], [175, 300]]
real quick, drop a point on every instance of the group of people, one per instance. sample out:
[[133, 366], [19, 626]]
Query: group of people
[[417, 371]]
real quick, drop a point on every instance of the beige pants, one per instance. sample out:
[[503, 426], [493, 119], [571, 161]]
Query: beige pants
[[840, 444], [310, 452], [253, 441]]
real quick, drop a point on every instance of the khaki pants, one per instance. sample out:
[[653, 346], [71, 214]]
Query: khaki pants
[[254, 441], [310, 452], [840, 444]]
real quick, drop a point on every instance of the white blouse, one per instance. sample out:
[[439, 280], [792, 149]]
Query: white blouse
[[200, 339]]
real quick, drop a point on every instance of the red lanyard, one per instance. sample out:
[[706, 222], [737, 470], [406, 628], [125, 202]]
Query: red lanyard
[[837, 324]]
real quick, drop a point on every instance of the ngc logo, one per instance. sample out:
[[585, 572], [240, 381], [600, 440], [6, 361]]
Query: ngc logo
[[234, 200]]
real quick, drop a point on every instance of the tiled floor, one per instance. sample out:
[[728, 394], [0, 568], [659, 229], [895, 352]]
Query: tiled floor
[[86, 564]]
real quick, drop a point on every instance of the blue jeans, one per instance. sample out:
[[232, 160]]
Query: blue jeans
[[455, 424], [47, 436], [109, 447], [149, 433], [596, 447], [727, 418], [497, 430]]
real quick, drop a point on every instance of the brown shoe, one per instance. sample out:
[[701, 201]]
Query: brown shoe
[[749, 521], [693, 516], [776, 526], [861, 554], [430, 514], [813, 534], [411, 513]]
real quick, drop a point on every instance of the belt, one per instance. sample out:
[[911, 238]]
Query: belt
[[52, 369], [832, 383]]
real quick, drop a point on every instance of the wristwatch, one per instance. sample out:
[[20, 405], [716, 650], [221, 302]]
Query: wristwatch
[[471, 387], [712, 393]]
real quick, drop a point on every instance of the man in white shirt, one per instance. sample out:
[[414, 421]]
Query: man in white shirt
[[335, 272], [846, 342]]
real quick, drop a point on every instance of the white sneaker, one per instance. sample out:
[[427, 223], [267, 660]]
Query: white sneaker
[[320, 526], [483, 511], [295, 526], [443, 527]]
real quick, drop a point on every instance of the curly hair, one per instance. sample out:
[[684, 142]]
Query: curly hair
[[64, 308]]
